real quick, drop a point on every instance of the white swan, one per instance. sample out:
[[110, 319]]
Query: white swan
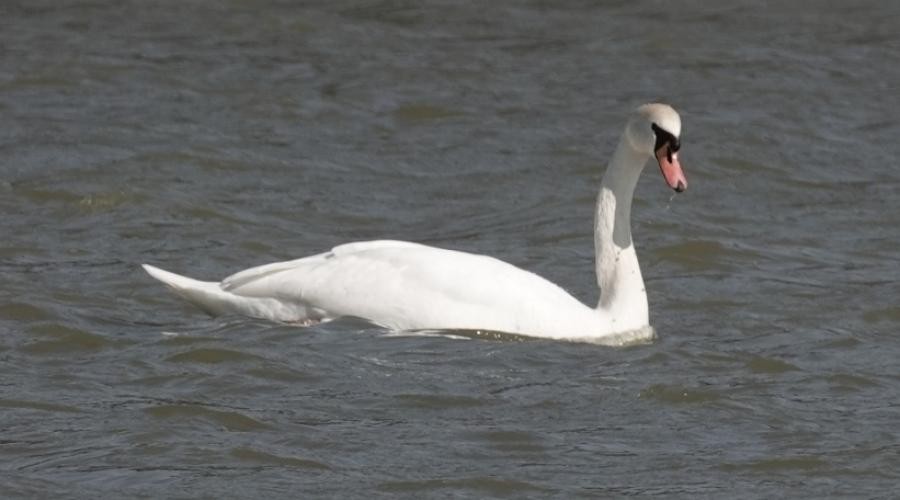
[[407, 286]]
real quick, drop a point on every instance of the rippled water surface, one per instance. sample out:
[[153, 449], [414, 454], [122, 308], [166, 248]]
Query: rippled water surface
[[207, 136]]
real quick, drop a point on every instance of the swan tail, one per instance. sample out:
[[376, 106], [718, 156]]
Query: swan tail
[[212, 299], [207, 295]]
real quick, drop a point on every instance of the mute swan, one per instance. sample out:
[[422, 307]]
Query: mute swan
[[408, 286]]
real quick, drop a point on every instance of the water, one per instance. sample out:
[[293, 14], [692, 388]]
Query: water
[[205, 137]]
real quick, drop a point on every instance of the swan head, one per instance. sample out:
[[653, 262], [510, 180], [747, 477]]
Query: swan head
[[655, 130]]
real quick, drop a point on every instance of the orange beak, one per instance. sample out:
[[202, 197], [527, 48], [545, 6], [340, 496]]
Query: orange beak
[[671, 168]]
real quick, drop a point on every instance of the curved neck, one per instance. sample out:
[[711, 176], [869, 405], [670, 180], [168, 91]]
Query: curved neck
[[622, 293]]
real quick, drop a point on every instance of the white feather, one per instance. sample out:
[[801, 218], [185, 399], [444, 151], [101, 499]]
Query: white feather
[[408, 286]]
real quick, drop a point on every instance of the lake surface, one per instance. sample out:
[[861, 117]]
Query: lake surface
[[204, 137]]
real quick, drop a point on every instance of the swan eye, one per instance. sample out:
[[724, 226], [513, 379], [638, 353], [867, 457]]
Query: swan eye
[[664, 137]]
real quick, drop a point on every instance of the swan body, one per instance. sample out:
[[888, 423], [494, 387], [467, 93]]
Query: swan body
[[407, 286]]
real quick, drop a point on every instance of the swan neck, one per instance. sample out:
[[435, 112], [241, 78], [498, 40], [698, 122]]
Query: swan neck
[[622, 291], [617, 192]]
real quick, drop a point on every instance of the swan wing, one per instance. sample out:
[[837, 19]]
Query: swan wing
[[255, 274], [405, 285]]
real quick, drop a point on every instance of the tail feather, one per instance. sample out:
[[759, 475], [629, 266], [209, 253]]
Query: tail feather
[[207, 295], [177, 281], [211, 298]]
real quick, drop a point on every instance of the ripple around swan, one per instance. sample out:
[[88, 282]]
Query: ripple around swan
[[769, 365], [37, 405], [675, 394], [886, 315], [779, 465], [851, 382], [628, 338], [19, 311], [211, 356], [230, 420], [510, 441], [419, 113], [251, 455], [439, 402], [54, 338], [480, 485], [699, 255]]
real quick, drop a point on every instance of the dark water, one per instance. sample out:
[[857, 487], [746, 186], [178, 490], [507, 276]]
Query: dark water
[[207, 136]]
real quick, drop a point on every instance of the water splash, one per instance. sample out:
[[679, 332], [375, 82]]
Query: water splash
[[669, 203]]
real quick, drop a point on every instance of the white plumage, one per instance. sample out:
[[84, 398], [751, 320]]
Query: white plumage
[[409, 286]]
